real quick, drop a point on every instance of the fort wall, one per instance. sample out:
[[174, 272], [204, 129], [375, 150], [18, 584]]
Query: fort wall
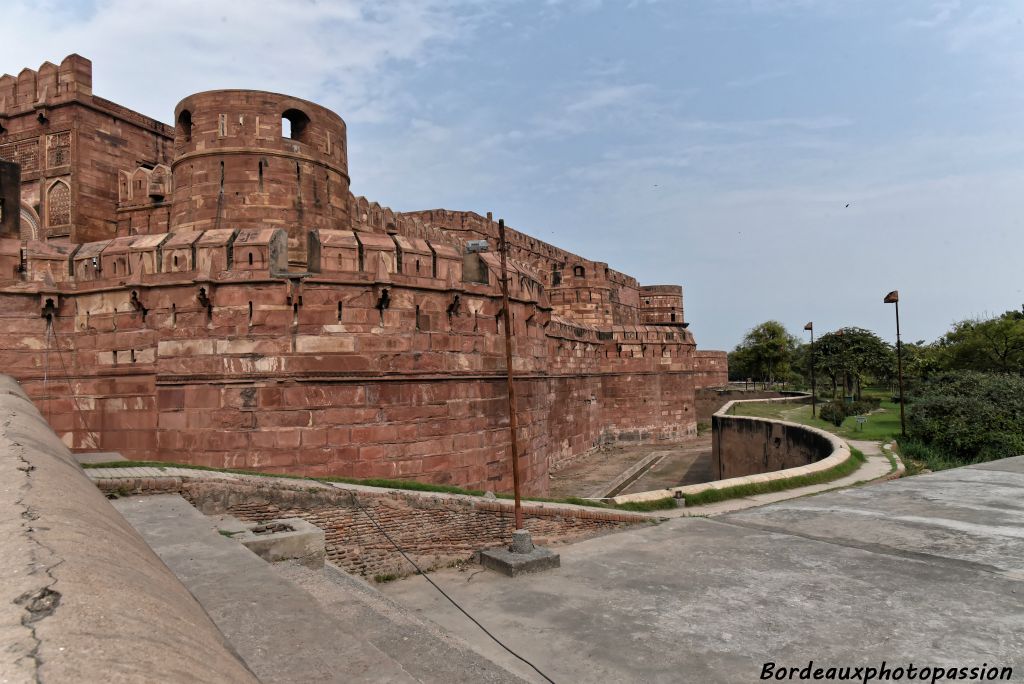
[[219, 296], [357, 373]]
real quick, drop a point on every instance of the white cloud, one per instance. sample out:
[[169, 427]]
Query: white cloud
[[147, 55], [606, 96]]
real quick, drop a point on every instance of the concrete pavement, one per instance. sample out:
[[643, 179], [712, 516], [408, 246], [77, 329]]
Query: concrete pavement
[[926, 570]]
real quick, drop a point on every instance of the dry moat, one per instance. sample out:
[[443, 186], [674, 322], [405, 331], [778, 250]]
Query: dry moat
[[675, 464]]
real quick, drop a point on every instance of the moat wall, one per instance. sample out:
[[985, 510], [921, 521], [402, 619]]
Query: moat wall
[[743, 445]]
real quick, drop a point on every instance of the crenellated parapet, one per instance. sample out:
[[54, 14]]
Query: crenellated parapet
[[35, 90]]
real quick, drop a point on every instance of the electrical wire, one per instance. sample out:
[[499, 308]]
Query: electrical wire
[[450, 599], [67, 376]]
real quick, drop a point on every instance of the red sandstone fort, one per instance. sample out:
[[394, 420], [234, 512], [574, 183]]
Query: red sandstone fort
[[213, 293]]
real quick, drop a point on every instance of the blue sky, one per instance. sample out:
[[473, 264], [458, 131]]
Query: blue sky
[[714, 144]]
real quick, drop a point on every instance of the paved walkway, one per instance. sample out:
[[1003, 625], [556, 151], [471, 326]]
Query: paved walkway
[[927, 570], [876, 468]]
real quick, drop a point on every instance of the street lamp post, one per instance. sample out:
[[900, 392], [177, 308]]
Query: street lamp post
[[894, 298], [814, 391]]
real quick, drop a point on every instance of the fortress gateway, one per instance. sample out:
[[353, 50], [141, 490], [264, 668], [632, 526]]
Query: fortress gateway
[[213, 293]]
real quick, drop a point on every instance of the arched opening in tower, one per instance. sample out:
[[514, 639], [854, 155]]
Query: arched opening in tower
[[294, 125]]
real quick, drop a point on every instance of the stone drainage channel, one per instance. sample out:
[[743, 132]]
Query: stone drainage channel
[[629, 476]]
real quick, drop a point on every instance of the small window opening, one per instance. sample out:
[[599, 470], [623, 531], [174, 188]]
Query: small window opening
[[261, 176], [295, 314], [175, 261], [250, 313], [185, 125], [250, 263], [294, 125], [339, 312], [417, 316], [578, 271], [417, 265]]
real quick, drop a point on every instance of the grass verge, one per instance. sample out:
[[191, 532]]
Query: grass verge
[[411, 485], [918, 456], [880, 426], [834, 473]]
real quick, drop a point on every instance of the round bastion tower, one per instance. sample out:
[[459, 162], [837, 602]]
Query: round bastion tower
[[248, 159]]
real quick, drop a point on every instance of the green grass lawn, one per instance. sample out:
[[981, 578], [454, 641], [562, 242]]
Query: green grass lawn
[[879, 427]]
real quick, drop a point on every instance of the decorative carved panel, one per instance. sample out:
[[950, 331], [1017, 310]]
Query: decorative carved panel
[[58, 149], [23, 152], [58, 205]]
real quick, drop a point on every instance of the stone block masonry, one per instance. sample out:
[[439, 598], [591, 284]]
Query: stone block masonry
[[212, 293]]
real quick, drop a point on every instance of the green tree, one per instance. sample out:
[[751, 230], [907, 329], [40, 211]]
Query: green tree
[[851, 356], [765, 354], [921, 361], [994, 345]]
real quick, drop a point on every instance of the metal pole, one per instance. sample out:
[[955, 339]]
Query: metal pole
[[513, 423], [899, 366], [814, 392]]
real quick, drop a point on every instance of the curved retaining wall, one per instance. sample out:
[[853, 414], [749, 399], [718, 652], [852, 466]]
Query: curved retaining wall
[[84, 599], [751, 450]]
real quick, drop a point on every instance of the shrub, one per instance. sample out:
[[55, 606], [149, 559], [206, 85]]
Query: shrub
[[834, 412], [1001, 445], [970, 416], [864, 406]]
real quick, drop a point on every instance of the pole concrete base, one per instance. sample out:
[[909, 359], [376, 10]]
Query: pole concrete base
[[520, 558]]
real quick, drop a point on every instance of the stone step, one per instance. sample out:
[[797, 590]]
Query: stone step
[[292, 623], [281, 632]]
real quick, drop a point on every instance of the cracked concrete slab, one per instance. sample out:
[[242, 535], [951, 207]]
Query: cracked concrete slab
[[82, 598]]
